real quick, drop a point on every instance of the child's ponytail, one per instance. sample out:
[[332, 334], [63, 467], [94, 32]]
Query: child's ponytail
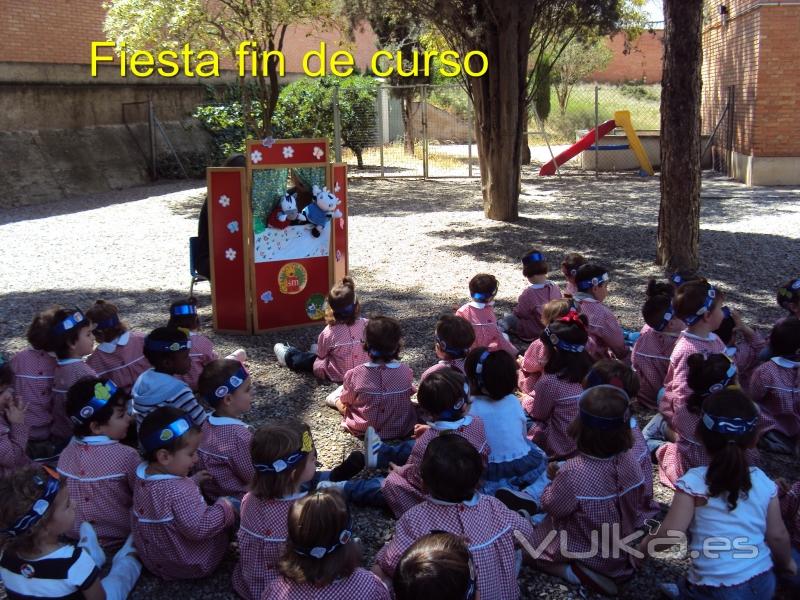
[[343, 306], [708, 374]]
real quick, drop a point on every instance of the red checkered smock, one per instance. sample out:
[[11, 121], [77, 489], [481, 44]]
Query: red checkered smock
[[641, 454], [675, 458], [529, 308], [262, 537], [202, 352], [33, 382], [360, 584], [68, 372], [483, 320], [746, 356], [225, 453], [553, 404], [487, 527], [533, 363], [177, 535], [340, 347], [790, 503], [121, 361], [604, 329], [379, 394], [650, 360], [457, 364], [775, 386], [403, 488], [676, 386], [100, 474], [13, 445], [587, 494]]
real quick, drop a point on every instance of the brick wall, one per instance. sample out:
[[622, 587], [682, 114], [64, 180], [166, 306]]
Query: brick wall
[[643, 63]]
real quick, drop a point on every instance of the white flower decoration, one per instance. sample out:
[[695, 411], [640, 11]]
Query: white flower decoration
[[268, 141], [224, 201], [233, 226], [230, 254], [337, 188], [256, 156], [288, 152], [266, 297], [318, 152]]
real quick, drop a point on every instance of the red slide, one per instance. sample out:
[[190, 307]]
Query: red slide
[[549, 168]]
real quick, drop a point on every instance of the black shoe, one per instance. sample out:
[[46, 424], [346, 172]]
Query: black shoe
[[517, 500], [352, 465], [315, 232]]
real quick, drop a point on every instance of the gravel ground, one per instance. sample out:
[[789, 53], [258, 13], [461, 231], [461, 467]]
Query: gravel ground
[[414, 246]]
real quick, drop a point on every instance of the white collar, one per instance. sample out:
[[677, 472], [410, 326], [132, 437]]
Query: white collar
[[584, 297], [390, 365], [68, 361], [710, 337], [191, 333], [109, 347], [475, 304], [471, 502], [451, 425], [539, 286], [94, 440], [784, 362], [217, 420], [293, 497], [141, 474]]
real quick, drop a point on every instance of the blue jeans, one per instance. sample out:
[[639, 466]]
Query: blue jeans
[[366, 492], [298, 360], [655, 433], [760, 587], [395, 453]]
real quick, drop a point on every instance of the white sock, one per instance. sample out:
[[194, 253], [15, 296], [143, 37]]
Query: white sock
[[123, 576], [88, 542]]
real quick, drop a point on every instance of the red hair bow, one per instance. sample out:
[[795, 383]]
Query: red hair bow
[[573, 317]]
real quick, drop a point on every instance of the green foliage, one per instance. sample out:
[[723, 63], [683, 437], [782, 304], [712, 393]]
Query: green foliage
[[226, 125], [542, 86], [578, 60]]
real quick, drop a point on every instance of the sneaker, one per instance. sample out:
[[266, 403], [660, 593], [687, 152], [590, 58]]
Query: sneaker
[[372, 443], [313, 348], [332, 398], [594, 581], [517, 500], [669, 590], [331, 484], [280, 349], [126, 549], [351, 466]]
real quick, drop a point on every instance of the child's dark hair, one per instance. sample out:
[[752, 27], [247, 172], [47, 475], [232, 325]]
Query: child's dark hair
[[726, 329], [441, 394], [105, 318], [437, 566], [454, 335], [789, 293], [157, 420], [78, 397], [163, 334], [659, 288], [320, 520], [451, 468], [706, 375], [382, 338], [729, 470], [343, 307], [655, 308], [613, 372], [190, 321], [274, 442], [534, 263], [6, 372], [588, 272], [609, 406], [19, 491], [566, 365], [784, 339], [691, 296], [678, 278], [498, 372], [483, 287], [60, 340], [571, 263], [215, 374], [38, 333]]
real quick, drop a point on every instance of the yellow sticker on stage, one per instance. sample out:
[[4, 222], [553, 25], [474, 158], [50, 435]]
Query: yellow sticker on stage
[[292, 278]]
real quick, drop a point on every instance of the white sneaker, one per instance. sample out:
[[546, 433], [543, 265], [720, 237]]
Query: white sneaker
[[372, 443], [89, 543], [332, 398], [313, 348], [280, 350], [331, 484], [126, 549]]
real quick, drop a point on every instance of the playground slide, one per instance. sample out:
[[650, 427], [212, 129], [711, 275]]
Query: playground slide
[[623, 118], [549, 168]]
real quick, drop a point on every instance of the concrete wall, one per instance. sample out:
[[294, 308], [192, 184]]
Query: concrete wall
[[624, 159]]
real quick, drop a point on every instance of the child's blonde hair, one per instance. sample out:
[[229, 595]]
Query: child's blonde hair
[[555, 309]]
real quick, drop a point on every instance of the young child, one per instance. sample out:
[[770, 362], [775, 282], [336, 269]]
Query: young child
[[444, 397], [789, 297], [378, 393], [177, 535], [651, 352], [526, 321], [730, 500], [33, 370], [789, 498], [604, 328], [552, 404], [99, 471], [71, 339], [225, 449], [602, 486], [183, 315], [322, 559], [119, 355], [775, 387], [531, 365], [480, 314], [13, 430], [437, 565], [451, 469], [167, 349], [454, 336], [514, 460], [339, 346], [35, 513], [742, 344], [569, 268]]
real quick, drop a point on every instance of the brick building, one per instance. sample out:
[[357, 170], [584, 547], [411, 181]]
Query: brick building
[[643, 63], [751, 65]]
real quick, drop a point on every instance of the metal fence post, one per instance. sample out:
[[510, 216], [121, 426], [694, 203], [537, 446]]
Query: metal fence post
[[337, 126], [424, 132], [381, 93], [152, 128], [596, 133]]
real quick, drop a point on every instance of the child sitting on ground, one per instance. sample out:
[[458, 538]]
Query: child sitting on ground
[[789, 297], [531, 365], [225, 448], [378, 393], [789, 498], [526, 321], [480, 314], [451, 470], [604, 328], [569, 268], [119, 355], [13, 431], [437, 565], [99, 471], [71, 339], [167, 349], [742, 344], [339, 346], [322, 558], [454, 336], [177, 534]]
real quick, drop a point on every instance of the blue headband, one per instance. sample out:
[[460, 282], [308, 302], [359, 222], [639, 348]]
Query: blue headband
[[587, 284], [319, 552], [112, 321], [233, 383], [376, 354], [561, 344], [165, 435], [456, 352], [479, 367], [102, 394], [289, 461], [729, 425], [532, 257], [182, 310], [70, 322], [662, 325], [692, 319], [41, 505], [725, 382], [676, 279], [345, 311], [166, 345], [605, 423], [455, 410], [484, 297]]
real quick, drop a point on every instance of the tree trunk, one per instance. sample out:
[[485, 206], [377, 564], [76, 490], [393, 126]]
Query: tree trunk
[[524, 150], [679, 211], [408, 122], [359, 157]]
